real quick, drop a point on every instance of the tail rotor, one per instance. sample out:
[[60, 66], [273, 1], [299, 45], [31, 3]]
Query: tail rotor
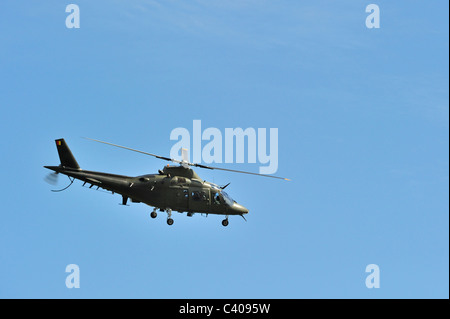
[[52, 178]]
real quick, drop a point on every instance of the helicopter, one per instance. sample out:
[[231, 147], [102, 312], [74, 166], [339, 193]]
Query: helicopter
[[174, 188]]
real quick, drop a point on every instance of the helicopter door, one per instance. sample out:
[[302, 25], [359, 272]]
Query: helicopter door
[[199, 200], [179, 198]]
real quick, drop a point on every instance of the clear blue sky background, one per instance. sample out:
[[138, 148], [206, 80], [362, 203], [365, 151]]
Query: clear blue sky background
[[363, 133]]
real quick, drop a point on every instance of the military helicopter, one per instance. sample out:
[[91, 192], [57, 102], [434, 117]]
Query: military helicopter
[[174, 188]]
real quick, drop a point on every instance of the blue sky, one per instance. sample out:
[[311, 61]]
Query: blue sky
[[363, 128]]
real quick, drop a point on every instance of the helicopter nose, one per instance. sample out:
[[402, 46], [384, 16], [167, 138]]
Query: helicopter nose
[[239, 209]]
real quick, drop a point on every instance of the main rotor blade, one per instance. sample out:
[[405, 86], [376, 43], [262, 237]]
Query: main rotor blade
[[236, 171], [187, 163], [134, 150]]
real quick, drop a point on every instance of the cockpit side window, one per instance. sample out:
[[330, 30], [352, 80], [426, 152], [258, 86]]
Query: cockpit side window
[[217, 198]]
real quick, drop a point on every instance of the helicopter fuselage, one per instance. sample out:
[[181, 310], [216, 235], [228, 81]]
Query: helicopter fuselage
[[176, 188]]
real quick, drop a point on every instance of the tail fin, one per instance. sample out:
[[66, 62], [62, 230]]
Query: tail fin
[[65, 155]]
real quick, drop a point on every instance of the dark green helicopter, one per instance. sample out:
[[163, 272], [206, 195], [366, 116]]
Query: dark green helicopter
[[174, 188]]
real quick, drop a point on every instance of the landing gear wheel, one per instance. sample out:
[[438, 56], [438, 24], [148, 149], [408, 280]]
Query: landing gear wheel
[[153, 214], [169, 221], [225, 222]]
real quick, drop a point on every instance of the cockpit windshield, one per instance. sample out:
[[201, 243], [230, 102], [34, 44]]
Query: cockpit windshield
[[228, 200]]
